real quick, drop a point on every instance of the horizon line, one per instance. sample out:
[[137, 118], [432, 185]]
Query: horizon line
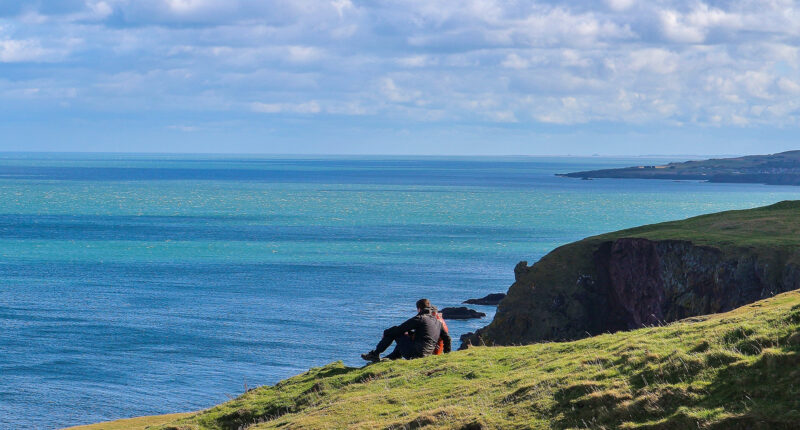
[[393, 155]]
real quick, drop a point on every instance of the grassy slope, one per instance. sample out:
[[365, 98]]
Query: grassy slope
[[735, 370], [774, 226]]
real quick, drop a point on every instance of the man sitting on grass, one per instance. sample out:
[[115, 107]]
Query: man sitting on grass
[[415, 338]]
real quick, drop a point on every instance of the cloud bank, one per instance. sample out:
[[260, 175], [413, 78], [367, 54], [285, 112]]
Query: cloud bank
[[668, 63]]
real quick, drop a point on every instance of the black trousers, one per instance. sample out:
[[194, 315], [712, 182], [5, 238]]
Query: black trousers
[[404, 348]]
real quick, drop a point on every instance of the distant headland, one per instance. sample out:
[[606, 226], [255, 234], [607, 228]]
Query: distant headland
[[775, 169]]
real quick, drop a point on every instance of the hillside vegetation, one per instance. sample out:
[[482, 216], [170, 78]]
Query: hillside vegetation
[[739, 369], [773, 226]]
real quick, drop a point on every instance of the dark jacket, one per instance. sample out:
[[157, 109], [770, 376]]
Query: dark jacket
[[427, 330]]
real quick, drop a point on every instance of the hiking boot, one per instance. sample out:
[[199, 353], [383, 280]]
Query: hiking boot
[[371, 356]]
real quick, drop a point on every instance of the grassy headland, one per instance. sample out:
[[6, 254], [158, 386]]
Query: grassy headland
[[773, 226], [777, 169], [661, 272], [739, 369]]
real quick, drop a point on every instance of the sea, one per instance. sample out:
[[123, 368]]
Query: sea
[[147, 284]]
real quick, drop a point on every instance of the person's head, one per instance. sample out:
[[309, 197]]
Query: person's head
[[422, 304]]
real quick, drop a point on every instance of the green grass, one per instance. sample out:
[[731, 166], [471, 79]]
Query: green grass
[[774, 226], [133, 423], [735, 370]]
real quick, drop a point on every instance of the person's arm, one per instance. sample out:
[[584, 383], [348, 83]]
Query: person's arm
[[445, 336], [410, 325]]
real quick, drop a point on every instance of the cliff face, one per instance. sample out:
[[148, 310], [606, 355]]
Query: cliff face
[[596, 286]]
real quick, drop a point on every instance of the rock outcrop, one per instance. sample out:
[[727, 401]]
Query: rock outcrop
[[493, 299], [613, 282], [461, 313]]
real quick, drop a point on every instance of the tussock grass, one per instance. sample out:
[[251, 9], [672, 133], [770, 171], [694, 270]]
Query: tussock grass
[[735, 370]]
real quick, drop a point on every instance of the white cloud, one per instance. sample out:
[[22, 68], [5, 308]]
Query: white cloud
[[342, 6], [788, 86], [514, 61], [625, 61], [677, 30], [28, 50], [620, 5], [12, 51], [311, 107], [757, 83], [186, 6], [303, 54], [415, 61], [502, 116], [653, 60], [694, 26], [396, 94], [100, 9]]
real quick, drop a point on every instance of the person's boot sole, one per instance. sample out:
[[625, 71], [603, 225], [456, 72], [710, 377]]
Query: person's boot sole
[[371, 359]]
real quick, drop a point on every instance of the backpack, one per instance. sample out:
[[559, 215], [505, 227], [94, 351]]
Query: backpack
[[440, 345]]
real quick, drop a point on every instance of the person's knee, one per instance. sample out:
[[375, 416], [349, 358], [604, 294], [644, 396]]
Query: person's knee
[[390, 332]]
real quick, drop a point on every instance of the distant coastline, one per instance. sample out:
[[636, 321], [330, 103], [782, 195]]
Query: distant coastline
[[774, 169]]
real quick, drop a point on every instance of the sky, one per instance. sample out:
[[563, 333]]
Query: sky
[[613, 77]]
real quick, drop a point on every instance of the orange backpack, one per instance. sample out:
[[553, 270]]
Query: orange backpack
[[440, 344]]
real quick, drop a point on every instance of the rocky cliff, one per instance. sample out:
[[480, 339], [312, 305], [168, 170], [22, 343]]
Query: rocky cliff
[[651, 275]]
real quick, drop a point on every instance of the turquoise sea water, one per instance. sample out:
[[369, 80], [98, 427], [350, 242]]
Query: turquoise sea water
[[133, 285]]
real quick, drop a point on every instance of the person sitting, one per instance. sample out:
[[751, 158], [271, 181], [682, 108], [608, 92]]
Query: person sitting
[[418, 337]]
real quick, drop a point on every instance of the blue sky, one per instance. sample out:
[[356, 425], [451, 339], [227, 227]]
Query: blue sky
[[400, 77]]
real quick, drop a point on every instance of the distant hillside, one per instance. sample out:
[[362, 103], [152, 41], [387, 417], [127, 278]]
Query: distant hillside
[[775, 169], [738, 370], [651, 274]]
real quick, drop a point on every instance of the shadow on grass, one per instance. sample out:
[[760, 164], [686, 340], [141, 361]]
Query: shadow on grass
[[758, 394]]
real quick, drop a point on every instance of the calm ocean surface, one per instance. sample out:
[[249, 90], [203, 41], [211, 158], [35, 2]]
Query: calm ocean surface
[[135, 285]]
